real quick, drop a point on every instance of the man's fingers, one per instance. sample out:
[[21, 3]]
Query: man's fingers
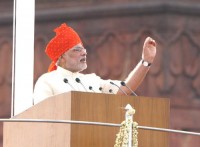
[[152, 42]]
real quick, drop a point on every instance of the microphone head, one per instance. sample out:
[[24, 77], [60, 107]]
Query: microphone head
[[65, 80], [111, 83], [123, 83], [78, 80], [90, 87]]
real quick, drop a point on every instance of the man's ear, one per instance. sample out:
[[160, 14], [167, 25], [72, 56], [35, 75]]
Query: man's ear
[[60, 60], [61, 57]]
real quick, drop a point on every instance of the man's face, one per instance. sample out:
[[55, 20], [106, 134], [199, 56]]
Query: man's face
[[74, 59]]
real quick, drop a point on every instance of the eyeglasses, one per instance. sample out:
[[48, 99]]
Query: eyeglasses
[[78, 49]]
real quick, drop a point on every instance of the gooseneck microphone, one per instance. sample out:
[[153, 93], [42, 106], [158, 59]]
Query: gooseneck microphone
[[118, 87], [90, 87], [79, 81], [124, 84], [67, 82]]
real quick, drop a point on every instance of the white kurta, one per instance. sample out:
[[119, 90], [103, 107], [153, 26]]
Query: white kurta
[[52, 83]]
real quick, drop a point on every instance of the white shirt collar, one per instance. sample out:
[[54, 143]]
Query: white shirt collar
[[65, 72]]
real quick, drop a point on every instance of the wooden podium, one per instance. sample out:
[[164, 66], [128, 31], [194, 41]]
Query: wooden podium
[[107, 108]]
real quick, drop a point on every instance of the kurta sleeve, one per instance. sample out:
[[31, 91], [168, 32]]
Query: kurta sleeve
[[42, 90]]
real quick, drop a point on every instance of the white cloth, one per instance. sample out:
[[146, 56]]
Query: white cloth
[[52, 83]]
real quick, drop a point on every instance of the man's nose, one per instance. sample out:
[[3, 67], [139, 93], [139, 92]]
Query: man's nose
[[84, 52]]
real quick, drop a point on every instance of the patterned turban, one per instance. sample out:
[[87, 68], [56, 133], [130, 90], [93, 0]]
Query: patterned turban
[[65, 39]]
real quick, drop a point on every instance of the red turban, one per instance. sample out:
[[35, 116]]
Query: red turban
[[65, 39]]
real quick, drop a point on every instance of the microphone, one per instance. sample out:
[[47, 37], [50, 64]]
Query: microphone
[[101, 89], [67, 82], [111, 91], [90, 87], [124, 84], [79, 81], [118, 87]]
